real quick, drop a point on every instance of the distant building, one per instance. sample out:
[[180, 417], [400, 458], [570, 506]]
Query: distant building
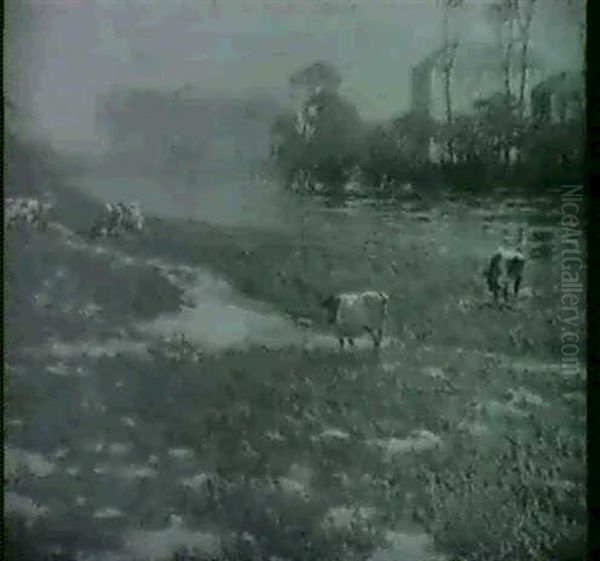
[[559, 98], [476, 75]]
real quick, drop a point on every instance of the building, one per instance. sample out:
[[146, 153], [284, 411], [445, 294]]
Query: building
[[477, 74], [559, 98]]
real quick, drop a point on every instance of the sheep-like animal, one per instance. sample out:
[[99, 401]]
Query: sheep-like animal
[[354, 313], [28, 211], [118, 218], [505, 270]]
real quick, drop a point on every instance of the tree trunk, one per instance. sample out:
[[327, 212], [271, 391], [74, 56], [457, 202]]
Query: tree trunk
[[446, 59], [507, 65], [448, 94], [507, 88], [524, 27], [523, 81], [448, 97], [448, 63]]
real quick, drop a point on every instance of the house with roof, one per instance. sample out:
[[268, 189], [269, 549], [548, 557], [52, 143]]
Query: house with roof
[[476, 75], [559, 98]]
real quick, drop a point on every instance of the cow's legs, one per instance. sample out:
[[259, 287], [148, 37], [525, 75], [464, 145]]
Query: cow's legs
[[373, 337], [376, 343], [497, 301], [341, 339], [517, 286]]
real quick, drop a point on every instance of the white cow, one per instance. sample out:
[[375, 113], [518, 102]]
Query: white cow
[[26, 211], [356, 313]]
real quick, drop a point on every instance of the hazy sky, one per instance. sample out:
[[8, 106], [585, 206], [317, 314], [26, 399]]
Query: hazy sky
[[63, 53]]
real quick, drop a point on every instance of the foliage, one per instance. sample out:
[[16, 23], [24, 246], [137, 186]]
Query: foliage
[[324, 139], [316, 77], [326, 144]]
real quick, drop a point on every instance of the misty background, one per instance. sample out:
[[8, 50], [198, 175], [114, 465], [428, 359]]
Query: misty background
[[67, 61]]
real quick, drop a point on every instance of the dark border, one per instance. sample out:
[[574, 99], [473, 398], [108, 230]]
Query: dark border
[[593, 315]]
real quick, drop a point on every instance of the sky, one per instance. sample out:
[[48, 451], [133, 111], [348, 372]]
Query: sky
[[61, 55]]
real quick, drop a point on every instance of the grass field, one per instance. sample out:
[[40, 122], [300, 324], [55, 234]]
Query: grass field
[[464, 440]]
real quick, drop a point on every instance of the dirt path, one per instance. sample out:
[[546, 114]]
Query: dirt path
[[216, 317]]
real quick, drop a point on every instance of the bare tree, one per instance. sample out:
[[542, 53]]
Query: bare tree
[[449, 48], [504, 17], [525, 10]]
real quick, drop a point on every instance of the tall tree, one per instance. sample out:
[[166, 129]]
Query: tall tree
[[448, 57], [524, 12], [324, 139], [503, 15]]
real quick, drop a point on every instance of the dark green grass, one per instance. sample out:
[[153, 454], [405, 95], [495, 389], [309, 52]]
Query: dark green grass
[[41, 264], [294, 271], [477, 495]]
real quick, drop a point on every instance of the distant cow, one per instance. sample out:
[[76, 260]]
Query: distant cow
[[505, 270], [356, 313], [119, 218], [27, 211]]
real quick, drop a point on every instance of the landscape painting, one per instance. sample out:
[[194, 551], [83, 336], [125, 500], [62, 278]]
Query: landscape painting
[[294, 280]]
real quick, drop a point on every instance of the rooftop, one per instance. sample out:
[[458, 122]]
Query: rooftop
[[563, 82]]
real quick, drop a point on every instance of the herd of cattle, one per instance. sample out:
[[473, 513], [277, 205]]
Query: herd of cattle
[[114, 220], [352, 314]]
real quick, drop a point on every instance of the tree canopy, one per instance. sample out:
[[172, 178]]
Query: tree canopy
[[316, 76]]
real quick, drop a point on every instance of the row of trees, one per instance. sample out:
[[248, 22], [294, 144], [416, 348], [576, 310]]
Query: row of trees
[[327, 146], [511, 21]]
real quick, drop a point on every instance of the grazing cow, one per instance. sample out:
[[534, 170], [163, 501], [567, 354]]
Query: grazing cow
[[505, 270], [27, 211], [119, 218], [354, 313], [134, 219]]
